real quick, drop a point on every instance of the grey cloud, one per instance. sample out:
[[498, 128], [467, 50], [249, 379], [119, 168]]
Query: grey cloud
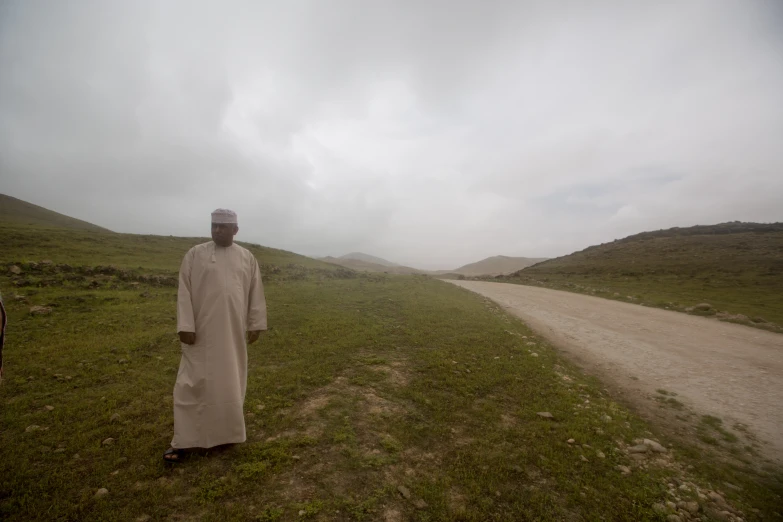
[[433, 134]]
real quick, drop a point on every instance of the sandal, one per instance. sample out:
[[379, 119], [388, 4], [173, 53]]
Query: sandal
[[173, 455]]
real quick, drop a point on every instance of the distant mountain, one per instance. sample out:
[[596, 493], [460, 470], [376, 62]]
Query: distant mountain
[[495, 265], [359, 256], [18, 212], [367, 266]]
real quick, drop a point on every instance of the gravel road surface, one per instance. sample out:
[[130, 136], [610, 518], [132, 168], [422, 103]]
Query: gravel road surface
[[731, 371]]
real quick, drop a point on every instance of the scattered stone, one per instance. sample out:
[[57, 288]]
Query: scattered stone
[[108, 442], [600, 455], [32, 427], [115, 417], [545, 414], [673, 518], [703, 307], [638, 457], [40, 310], [49, 408], [606, 418], [684, 487], [717, 498], [654, 446], [625, 470], [671, 505], [60, 450], [76, 456], [101, 493], [122, 361], [420, 504], [659, 508], [405, 492], [583, 459], [571, 441], [260, 407], [116, 472], [15, 270], [732, 486], [639, 448], [692, 507], [718, 515], [533, 354], [302, 512], [143, 518]]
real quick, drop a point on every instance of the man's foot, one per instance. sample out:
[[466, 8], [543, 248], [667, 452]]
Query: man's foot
[[173, 455]]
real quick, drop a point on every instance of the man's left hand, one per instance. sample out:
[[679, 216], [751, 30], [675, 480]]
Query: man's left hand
[[252, 336]]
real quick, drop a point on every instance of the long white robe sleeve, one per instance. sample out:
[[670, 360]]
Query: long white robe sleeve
[[185, 320], [256, 307], [226, 299]]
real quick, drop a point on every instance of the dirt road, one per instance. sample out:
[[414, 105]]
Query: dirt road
[[730, 371]]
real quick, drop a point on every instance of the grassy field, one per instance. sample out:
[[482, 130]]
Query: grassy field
[[371, 397], [737, 268]]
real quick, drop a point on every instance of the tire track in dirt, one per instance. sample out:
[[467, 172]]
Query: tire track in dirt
[[731, 371]]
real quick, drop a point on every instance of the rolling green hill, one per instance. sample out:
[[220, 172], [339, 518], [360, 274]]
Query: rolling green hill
[[737, 268], [31, 234], [16, 211], [25, 244]]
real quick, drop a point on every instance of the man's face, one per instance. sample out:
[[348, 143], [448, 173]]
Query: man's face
[[223, 233]]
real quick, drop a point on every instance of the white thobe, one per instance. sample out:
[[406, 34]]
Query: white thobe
[[220, 297]]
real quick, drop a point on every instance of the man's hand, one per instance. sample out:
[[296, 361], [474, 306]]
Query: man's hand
[[252, 336], [187, 337]]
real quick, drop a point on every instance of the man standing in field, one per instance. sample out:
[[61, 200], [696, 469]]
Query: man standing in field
[[220, 299]]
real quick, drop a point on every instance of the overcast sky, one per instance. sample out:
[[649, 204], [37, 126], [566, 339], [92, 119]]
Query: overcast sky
[[429, 133]]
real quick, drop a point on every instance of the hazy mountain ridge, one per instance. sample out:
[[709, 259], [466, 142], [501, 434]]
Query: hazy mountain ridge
[[367, 258], [367, 266], [495, 265]]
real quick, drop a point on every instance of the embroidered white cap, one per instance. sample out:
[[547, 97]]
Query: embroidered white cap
[[223, 215]]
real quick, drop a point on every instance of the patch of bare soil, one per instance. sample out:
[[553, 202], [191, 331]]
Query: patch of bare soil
[[666, 364]]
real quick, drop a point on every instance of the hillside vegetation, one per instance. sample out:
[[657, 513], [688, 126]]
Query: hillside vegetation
[[371, 397], [736, 268], [132, 251], [16, 211]]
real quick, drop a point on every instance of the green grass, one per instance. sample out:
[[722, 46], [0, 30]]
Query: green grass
[[363, 383], [736, 268]]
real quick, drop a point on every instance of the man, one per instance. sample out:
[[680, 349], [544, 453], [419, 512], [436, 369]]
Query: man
[[220, 297]]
